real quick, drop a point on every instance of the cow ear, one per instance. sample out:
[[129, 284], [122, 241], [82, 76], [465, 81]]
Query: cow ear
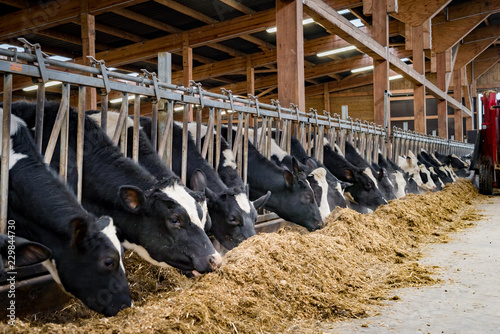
[[261, 201], [198, 181], [295, 166], [132, 198], [28, 252], [288, 177], [349, 174], [310, 163], [380, 174], [80, 229], [211, 196]]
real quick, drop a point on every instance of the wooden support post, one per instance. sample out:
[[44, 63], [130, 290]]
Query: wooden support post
[[381, 67], [88, 49], [187, 67], [442, 105], [326, 97], [290, 48], [457, 94], [419, 90], [250, 83]]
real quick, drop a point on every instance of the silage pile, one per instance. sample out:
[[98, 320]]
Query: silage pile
[[272, 282]]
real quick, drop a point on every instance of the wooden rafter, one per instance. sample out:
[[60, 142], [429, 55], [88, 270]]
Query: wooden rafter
[[35, 18], [239, 6], [416, 12], [482, 33], [445, 35], [469, 51], [68, 38], [146, 20]]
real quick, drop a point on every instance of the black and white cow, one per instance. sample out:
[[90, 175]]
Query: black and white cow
[[444, 172], [380, 178], [411, 185], [19, 252], [157, 219], [362, 194], [396, 174], [291, 195], [439, 177], [86, 254], [460, 167], [335, 186], [327, 193]]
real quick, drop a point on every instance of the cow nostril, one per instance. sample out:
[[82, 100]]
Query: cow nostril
[[215, 261]]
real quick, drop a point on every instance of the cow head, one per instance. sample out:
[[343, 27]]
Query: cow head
[[363, 190], [295, 201], [385, 185], [89, 266], [170, 233]]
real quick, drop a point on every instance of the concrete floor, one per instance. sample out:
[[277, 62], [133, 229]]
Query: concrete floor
[[466, 301]]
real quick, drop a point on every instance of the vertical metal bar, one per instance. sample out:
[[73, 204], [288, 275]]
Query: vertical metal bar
[[209, 139], [255, 130], [217, 142], [289, 137], [40, 106], [198, 128], [245, 149], [80, 140], [121, 119], [104, 112], [63, 162], [4, 177], [185, 120], [170, 134], [230, 129], [154, 124], [63, 106], [269, 134], [135, 131]]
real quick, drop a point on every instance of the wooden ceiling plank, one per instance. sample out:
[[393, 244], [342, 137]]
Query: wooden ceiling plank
[[445, 35], [239, 6], [470, 51], [68, 38], [119, 33], [482, 67], [187, 11], [482, 33], [146, 20], [50, 14], [416, 12]]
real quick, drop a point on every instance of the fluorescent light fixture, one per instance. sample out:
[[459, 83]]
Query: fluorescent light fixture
[[60, 58], [357, 23], [331, 52], [394, 77], [180, 108], [344, 11], [47, 84], [361, 69], [404, 59], [130, 97], [304, 22], [133, 74], [111, 68], [6, 46]]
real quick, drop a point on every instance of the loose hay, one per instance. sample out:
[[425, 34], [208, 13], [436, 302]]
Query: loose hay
[[285, 281]]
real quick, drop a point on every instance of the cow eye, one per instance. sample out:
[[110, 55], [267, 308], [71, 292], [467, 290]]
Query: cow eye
[[109, 263], [175, 221], [233, 220]]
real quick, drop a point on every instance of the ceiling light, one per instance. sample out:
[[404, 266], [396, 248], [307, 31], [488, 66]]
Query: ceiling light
[[344, 11], [7, 46], [404, 59], [361, 69], [60, 58], [357, 23], [331, 52], [394, 77], [180, 108], [304, 22], [130, 97], [47, 84]]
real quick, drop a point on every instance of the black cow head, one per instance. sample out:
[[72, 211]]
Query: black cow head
[[169, 233], [19, 252], [90, 267], [363, 190], [411, 185], [385, 185], [296, 200]]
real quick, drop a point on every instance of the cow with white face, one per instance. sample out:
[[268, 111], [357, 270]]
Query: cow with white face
[[85, 255], [396, 175]]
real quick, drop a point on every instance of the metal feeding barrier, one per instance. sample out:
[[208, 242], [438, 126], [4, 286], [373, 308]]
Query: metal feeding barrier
[[236, 112]]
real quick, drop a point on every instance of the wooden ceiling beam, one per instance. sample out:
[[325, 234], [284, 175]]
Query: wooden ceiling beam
[[468, 52], [468, 8], [118, 33], [445, 35], [146, 20], [238, 6], [416, 12], [68, 38], [53, 13], [482, 33]]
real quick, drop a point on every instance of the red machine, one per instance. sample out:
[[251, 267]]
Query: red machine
[[487, 144]]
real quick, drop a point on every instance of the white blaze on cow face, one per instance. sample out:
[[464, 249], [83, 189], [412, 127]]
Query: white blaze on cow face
[[319, 175], [228, 159], [369, 173], [178, 193], [111, 122], [110, 232], [429, 185], [412, 169], [277, 151], [192, 129], [401, 183], [15, 124], [339, 151], [243, 202]]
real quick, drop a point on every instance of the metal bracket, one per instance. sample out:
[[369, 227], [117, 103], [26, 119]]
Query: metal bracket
[[154, 78], [296, 108], [329, 118], [104, 73], [278, 105], [315, 114], [39, 57], [229, 93], [14, 59], [256, 101], [200, 92]]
